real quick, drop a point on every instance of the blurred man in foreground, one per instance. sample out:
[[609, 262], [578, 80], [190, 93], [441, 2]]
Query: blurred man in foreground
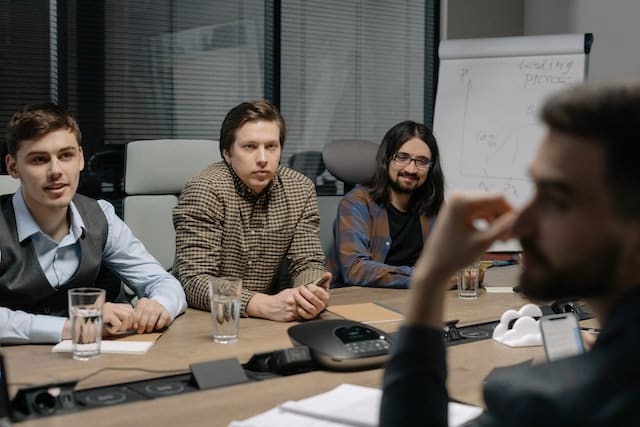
[[580, 235]]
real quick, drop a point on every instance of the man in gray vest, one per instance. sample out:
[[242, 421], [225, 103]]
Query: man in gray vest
[[53, 240]]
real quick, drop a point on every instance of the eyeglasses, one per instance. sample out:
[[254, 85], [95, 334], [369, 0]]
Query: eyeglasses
[[404, 159]]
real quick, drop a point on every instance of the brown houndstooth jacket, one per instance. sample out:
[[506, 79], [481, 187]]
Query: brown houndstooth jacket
[[223, 229]]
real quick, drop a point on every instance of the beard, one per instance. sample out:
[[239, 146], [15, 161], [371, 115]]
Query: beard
[[589, 277], [399, 187]]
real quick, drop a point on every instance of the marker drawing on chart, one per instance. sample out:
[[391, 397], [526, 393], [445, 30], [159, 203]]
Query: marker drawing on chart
[[511, 190], [464, 117]]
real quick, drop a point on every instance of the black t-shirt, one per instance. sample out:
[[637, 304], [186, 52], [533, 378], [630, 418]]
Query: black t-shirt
[[406, 237]]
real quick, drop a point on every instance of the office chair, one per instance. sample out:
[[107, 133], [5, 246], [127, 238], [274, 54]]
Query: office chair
[[8, 184], [107, 168], [351, 161], [308, 163], [155, 173], [311, 165]]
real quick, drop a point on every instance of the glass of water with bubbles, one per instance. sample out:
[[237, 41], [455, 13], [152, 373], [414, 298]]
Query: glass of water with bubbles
[[225, 308], [85, 313]]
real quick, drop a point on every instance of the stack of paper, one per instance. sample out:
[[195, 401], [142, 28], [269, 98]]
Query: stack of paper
[[106, 346], [125, 344], [501, 279], [345, 406]]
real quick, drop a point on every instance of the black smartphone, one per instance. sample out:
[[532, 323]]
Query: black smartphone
[[561, 336], [323, 282]]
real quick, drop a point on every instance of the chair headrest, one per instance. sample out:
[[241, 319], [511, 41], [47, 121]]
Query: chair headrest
[[163, 166], [8, 184], [351, 161]]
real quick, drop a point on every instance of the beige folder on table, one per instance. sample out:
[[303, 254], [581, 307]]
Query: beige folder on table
[[366, 313]]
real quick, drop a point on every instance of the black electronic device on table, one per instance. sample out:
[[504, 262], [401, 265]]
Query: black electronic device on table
[[344, 345]]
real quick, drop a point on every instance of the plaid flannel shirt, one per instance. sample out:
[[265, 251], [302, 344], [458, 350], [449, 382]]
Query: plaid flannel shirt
[[224, 229], [361, 242]]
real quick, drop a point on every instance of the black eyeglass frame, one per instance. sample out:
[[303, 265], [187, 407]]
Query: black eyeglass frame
[[405, 159]]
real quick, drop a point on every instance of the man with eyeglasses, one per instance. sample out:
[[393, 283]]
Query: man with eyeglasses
[[380, 229]]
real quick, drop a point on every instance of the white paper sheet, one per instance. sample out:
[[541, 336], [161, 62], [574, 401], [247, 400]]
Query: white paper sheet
[[281, 418], [351, 404], [499, 289], [345, 406], [107, 346]]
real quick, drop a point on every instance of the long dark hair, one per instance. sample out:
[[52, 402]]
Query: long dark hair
[[429, 197]]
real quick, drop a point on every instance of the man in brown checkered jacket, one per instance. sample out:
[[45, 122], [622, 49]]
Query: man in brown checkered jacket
[[244, 216]]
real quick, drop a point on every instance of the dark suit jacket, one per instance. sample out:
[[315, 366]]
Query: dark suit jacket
[[598, 388]]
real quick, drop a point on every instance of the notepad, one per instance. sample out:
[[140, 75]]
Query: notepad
[[365, 313], [506, 276], [345, 405], [118, 347], [131, 344], [499, 289]]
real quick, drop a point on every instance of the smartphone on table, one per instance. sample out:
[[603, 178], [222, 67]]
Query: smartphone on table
[[322, 282], [561, 336]]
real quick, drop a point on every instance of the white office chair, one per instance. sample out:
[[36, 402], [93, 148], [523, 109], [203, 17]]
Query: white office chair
[[8, 184], [351, 161], [155, 174]]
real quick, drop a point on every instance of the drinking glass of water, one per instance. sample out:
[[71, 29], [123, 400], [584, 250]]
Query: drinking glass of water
[[468, 280], [85, 313], [225, 308]]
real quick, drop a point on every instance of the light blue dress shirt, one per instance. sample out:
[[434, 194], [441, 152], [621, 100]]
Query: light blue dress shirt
[[123, 253]]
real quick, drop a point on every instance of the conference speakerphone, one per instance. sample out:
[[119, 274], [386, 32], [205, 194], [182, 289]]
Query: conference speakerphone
[[343, 345]]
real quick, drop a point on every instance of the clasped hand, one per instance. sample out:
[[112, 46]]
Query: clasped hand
[[312, 298], [302, 302], [147, 316]]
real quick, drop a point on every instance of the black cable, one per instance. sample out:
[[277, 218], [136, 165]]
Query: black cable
[[111, 368], [151, 371]]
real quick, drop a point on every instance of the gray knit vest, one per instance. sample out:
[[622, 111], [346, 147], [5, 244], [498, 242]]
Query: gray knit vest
[[23, 284]]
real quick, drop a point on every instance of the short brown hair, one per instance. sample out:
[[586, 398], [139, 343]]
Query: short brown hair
[[249, 112], [609, 116], [34, 121]]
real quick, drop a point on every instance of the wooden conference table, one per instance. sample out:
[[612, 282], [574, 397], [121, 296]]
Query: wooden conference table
[[189, 341]]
